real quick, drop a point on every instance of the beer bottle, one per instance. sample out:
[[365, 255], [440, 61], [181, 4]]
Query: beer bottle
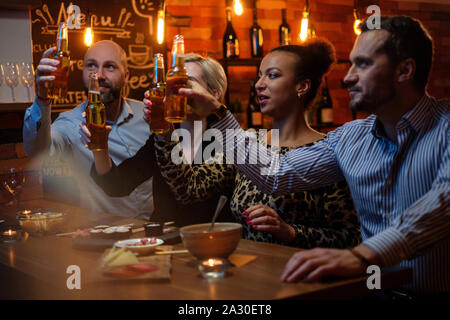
[[175, 104], [230, 44], [58, 87], [157, 92], [96, 115]]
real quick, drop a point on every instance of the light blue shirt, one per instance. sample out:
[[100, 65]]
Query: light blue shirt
[[128, 135], [401, 190]]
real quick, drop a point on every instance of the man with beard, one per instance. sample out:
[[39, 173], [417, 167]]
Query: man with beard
[[396, 162], [129, 130]]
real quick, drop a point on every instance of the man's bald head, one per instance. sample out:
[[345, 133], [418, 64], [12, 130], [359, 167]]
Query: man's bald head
[[109, 61], [111, 48]]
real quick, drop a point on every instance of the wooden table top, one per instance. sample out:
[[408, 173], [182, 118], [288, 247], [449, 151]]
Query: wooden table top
[[45, 260]]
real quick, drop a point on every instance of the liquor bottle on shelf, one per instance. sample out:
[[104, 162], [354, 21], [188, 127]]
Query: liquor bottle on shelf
[[325, 109], [254, 115], [256, 37], [96, 115], [175, 106], [284, 30], [58, 87], [157, 92], [230, 43]]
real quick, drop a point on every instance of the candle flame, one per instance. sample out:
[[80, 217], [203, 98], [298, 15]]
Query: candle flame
[[238, 7], [88, 37], [27, 211], [211, 262], [161, 18], [9, 232]]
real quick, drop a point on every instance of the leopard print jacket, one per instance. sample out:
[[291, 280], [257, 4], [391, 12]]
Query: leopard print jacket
[[324, 217]]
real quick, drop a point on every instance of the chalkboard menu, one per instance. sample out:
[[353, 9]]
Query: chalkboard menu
[[130, 23]]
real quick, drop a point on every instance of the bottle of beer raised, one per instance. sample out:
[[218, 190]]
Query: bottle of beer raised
[[157, 92], [176, 105], [58, 87], [96, 115], [254, 115], [256, 37], [230, 44], [284, 30]]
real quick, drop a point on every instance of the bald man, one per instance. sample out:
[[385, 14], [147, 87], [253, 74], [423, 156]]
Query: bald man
[[61, 138]]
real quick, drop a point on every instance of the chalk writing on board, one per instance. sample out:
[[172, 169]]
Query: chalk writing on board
[[145, 9], [129, 23], [102, 24]]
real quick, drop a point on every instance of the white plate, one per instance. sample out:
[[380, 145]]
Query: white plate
[[131, 244]]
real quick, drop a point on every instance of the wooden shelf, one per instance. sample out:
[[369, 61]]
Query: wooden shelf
[[255, 62]]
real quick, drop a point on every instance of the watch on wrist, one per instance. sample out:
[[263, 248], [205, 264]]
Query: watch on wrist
[[217, 115]]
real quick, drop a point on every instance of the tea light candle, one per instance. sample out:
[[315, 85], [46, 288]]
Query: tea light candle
[[9, 235], [213, 268]]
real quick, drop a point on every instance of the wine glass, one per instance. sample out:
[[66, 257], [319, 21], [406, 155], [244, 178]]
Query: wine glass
[[1, 74], [12, 76], [11, 183], [27, 76]]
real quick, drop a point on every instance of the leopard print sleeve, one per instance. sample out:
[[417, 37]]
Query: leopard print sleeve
[[193, 183], [340, 227]]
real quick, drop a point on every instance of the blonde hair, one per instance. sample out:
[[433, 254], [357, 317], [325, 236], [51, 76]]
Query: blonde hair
[[213, 73]]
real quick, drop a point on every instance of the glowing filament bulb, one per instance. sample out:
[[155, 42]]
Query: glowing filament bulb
[[238, 7], [304, 27], [88, 36], [160, 36], [356, 28]]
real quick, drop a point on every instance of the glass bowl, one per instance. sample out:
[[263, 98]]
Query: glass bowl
[[41, 222]]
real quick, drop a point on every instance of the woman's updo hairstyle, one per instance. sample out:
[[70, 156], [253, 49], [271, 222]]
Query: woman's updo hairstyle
[[314, 60]]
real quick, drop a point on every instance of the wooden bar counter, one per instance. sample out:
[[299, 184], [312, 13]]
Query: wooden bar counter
[[36, 268]]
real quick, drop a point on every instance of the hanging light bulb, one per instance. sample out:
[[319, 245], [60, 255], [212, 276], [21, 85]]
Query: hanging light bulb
[[89, 34], [357, 22], [304, 24], [161, 23], [238, 7]]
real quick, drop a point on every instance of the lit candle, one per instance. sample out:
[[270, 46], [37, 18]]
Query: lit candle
[[213, 262], [9, 235], [26, 211], [213, 268]]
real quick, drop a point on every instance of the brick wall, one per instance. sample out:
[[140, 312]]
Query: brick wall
[[333, 19]]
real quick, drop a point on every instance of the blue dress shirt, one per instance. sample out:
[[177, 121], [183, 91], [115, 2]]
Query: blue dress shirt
[[400, 189], [129, 133]]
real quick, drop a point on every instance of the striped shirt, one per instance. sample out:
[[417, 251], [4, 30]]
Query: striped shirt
[[400, 190]]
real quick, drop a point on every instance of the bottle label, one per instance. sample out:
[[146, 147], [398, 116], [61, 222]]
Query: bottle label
[[326, 115], [257, 118], [232, 49]]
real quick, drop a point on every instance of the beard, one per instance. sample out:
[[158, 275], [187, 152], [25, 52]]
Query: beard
[[373, 100]]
